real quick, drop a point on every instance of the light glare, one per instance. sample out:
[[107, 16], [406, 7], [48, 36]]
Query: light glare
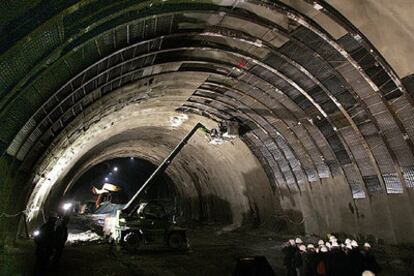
[[67, 206]]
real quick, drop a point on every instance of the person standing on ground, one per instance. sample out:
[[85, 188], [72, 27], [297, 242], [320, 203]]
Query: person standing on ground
[[321, 261], [289, 251], [45, 242], [309, 261], [355, 258], [61, 235], [298, 260], [368, 260]]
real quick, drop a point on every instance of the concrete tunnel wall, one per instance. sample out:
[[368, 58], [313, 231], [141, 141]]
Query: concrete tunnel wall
[[327, 120], [203, 173]]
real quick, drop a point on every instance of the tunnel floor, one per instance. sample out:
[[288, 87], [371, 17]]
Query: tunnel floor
[[211, 253]]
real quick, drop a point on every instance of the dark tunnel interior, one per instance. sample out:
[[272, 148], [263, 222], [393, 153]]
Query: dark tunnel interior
[[129, 173], [298, 113]]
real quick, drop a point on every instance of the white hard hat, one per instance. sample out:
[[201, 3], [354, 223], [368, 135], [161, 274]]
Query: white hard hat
[[332, 237], [324, 249], [354, 243], [302, 248], [298, 240], [327, 244], [321, 242], [292, 242], [367, 245], [310, 246], [349, 246], [335, 244], [347, 241], [342, 245], [367, 273]]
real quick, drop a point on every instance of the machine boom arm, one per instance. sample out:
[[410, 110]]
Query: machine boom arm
[[130, 206]]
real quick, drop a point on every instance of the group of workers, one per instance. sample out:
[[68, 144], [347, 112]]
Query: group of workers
[[331, 258], [50, 240]]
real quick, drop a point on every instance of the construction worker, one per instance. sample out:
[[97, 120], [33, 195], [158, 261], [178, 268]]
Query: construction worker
[[321, 261], [355, 258], [338, 261], [289, 250], [61, 235], [298, 260], [45, 241], [309, 261], [369, 263]]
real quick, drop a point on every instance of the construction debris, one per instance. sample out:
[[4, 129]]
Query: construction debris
[[87, 236]]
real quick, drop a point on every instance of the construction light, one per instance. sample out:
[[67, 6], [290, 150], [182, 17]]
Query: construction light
[[36, 233], [66, 206], [106, 179], [115, 169]]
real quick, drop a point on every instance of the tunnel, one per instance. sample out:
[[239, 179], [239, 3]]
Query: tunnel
[[322, 92]]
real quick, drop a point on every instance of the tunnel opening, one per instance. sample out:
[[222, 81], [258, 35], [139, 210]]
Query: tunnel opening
[[107, 187], [128, 174]]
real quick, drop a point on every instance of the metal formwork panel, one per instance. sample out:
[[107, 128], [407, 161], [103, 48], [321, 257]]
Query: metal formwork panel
[[406, 113], [274, 181], [19, 139], [354, 182], [359, 115], [381, 153], [273, 121], [348, 42], [371, 67], [408, 173], [16, 62], [337, 147], [277, 155], [392, 183], [359, 152], [319, 95], [408, 82], [346, 99], [372, 183], [399, 147], [311, 174], [290, 71]]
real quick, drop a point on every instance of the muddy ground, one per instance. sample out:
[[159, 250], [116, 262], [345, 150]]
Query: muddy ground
[[212, 253]]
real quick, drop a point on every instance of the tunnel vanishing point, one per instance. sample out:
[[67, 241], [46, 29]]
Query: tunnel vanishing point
[[323, 91]]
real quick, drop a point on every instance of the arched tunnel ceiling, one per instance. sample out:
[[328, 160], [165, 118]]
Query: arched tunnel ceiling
[[316, 98]]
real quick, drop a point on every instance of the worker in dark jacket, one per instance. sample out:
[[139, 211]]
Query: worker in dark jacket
[[45, 242], [368, 260], [321, 261], [355, 259], [298, 260], [61, 235], [289, 251], [337, 261], [309, 261]]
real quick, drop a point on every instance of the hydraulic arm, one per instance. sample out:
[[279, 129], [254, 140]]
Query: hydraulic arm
[[132, 204]]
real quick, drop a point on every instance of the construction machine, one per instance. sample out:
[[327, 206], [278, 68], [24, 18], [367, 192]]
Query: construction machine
[[143, 223]]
